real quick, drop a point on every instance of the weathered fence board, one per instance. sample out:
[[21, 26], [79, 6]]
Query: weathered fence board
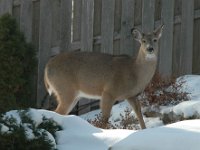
[[196, 4], [196, 37], [55, 37], [148, 10], [66, 21], [16, 14], [166, 43], [176, 50], [107, 26], [36, 24], [26, 19], [138, 13], [158, 9], [44, 45], [97, 24], [77, 9], [177, 7], [187, 36], [196, 47], [127, 23], [117, 26], [87, 25], [6, 6]]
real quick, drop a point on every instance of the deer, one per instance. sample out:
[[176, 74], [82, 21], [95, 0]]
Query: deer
[[109, 78]]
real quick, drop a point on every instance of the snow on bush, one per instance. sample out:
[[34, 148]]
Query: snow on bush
[[20, 131]]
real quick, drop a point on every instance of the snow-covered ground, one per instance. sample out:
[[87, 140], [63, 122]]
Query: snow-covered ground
[[78, 134]]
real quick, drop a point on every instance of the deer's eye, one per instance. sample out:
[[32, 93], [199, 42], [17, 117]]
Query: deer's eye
[[155, 40], [144, 41]]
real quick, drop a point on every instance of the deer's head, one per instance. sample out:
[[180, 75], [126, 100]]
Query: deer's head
[[149, 42]]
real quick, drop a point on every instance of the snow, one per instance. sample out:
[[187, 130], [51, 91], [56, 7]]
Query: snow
[[153, 122], [186, 109], [28, 132], [15, 115], [191, 85], [183, 135], [78, 134], [4, 128]]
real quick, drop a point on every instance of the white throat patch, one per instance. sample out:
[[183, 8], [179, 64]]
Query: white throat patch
[[150, 57]]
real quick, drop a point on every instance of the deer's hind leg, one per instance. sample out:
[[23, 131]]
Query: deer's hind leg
[[66, 101]]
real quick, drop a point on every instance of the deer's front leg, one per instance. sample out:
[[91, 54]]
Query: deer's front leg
[[137, 108]]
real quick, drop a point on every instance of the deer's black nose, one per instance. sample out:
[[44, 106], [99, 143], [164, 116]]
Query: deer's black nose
[[150, 49]]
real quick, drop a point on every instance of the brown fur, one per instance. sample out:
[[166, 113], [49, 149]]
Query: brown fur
[[110, 77]]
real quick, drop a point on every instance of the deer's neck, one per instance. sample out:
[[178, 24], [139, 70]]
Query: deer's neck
[[146, 66]]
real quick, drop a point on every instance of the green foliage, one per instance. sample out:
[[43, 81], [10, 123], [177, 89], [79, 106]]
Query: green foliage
[[16, 137], [50, 125], [18, 63]]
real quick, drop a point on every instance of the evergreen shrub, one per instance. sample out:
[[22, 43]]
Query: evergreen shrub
[[17, 66], [26, 134]]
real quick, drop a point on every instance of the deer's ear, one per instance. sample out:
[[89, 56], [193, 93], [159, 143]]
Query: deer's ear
[[158, 31], [136, 34]]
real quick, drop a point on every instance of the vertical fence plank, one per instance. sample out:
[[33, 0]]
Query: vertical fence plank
[[66, 22], [127, 22], [166, 43], [117, 26], [6, 6], [148, 10], [107, 26], [87, 25], [158, 9], [97, 24], [16, 13], [36, 24], [176, 50], [97, 18], [44, 45], [196, 52], [77, 8], [177, 7], [138, 12], [187, 36], [55, 37], [26, 19]]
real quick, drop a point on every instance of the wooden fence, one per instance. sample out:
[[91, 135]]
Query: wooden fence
[[56, 26]]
